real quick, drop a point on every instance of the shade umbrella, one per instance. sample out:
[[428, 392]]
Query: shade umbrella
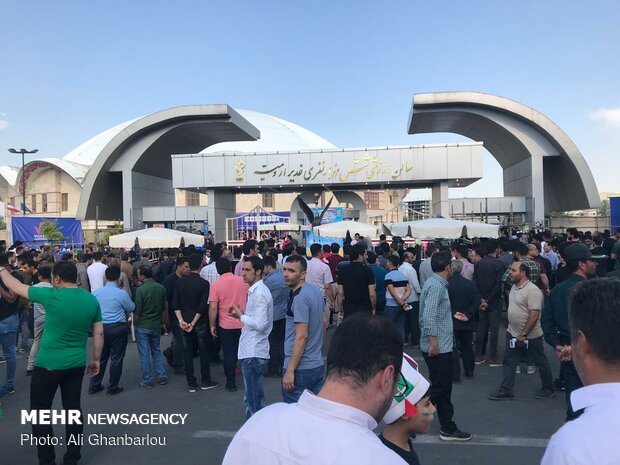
[[155, 238], [340, 228]]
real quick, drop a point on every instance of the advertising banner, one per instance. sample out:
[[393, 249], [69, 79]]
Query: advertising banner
[[332, 215], [248, 221], [28, 229], [614, 209]]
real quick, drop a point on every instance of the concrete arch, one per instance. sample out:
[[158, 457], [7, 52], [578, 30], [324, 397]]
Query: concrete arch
[[539, 161], [134, 168]]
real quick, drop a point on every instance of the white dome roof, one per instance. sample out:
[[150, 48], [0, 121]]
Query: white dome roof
[[87, 152], [276, 135]]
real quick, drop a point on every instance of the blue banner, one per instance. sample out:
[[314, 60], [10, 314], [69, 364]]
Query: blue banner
[[28, 230], [614, 213], [332, 214], [247, 221]]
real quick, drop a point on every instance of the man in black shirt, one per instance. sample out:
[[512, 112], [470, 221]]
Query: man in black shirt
[[191, 308], [356, 285], [176, 357], [488, 274], [9, 320]]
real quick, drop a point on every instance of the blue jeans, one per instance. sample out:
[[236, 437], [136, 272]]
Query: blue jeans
[[397, 315], [254, 397], [8, 334], [148, 346], [311, 380]]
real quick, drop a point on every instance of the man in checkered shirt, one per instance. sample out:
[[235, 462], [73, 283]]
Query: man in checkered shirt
[[436, 343]]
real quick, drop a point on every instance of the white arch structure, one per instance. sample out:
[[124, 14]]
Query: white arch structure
[[539, 161]]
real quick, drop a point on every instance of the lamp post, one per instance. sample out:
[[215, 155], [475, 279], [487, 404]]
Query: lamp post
[[23, 152]]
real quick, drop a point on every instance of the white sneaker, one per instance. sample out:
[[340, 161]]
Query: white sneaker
[[531, 369], [518, 370]]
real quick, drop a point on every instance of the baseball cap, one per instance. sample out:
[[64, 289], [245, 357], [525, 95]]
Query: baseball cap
[[410, 388], [579, 251]]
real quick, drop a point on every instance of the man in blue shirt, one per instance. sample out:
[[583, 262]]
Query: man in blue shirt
[[396, 295], [303, 360], [115, 306], [379, 272], [274, 280], [436, 343]]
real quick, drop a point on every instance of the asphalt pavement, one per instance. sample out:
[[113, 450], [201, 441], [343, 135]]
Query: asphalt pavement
[[507, 433]]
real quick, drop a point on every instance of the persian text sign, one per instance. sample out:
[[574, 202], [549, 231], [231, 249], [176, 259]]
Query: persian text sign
[[359, 167]]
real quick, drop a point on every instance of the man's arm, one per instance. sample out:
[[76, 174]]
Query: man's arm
[[390, 288], [372, 293], [549, 326], [93, 366], [340, 296], [165, 318], [138, 306], [212, 316], [301, 338], [429, 319], [126, 303], [260, 320], [412, 276], [329, 293], [532, 318], [13, 284]]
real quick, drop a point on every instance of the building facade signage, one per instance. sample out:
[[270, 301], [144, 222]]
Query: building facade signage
[[392, 165], [369, 166]]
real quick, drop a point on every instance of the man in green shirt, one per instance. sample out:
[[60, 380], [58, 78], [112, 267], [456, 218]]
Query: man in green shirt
[[70, 313], [150, 316]]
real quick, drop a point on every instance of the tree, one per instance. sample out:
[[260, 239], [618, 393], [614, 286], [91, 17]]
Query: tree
[[51, 230], [604, 209]]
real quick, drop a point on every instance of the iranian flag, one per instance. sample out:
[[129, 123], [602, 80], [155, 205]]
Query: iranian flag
[[12, 208]]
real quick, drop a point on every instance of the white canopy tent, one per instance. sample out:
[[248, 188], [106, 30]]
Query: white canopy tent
[[444, 228], [340, 228], [154, 238]]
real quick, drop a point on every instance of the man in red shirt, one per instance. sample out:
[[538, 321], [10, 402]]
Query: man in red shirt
[[227, 291], [332, 260]]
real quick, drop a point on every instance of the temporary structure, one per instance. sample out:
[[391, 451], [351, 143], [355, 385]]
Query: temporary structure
[[283, 227], [340, 228], [153, 238], [444, 228]]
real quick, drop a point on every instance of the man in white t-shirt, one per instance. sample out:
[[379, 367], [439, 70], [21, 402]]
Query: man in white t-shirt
[[595, 349], [319, 274], [96, 272], [335, 426]]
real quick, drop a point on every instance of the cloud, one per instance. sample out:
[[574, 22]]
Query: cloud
[[610, 117], [3, 121]]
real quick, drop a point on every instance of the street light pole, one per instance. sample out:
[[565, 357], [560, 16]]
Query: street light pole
[[23, 152]]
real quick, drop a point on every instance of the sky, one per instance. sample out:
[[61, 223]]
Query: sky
[[345, 70]]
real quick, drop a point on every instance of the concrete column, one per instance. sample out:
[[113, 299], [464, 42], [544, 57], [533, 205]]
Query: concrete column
[[538, 190], [222, 204], [439, 200], [129, 220]]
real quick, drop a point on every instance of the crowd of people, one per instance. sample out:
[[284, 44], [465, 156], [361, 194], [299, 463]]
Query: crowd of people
[[266, 307]]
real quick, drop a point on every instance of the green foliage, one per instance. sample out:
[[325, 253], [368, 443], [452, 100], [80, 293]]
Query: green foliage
[[51, 230], [604, 210], [116, 228]]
